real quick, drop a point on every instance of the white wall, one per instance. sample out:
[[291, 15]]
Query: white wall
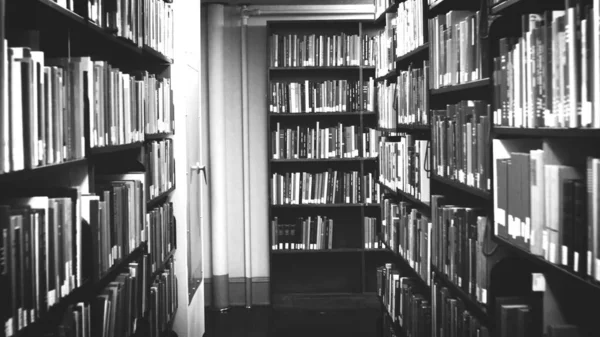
[[189, 320]]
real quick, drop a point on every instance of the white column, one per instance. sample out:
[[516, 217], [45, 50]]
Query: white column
[[217, 172]]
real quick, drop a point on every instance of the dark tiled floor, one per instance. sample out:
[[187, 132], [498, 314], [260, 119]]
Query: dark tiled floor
[[295, 321]]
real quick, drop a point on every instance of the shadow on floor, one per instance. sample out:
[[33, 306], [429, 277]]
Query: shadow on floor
[[293, 322]]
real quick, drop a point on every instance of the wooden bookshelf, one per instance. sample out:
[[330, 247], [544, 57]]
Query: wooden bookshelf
[[419, 54], [344, 268], [65, 44], [463, 187], [463, 87], [508, 132]]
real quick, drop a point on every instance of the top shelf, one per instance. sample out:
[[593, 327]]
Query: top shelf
[[444, 6], [477, 84], [510, 132], [81, 24]]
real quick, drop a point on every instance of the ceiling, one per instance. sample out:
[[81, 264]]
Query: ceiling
[[291, 2]]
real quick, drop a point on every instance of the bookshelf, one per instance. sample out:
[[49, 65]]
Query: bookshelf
[[85, 191], [530, 197], [322, 134]]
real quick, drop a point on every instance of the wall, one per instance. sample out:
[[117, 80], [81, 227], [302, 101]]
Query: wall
[[189, 320], [257, 72]]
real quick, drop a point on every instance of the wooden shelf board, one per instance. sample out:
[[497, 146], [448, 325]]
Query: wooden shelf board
[[546, 265], [421, 205], [328, 160], [324, 206], [418, 54], [316, 251], [324, 68], [41, 170], [478, 84], [390, 75], [157, 136], [322, 114], [159, 198], [463, 187], [114, 148], [510, 132]]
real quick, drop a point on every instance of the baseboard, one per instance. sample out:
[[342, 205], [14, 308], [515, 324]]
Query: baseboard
[[237, 291]]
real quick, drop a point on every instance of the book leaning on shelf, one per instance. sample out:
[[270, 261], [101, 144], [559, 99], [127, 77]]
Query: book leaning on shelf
[[321, 96], [458, 247], [323, 142], [333, 50], [306, 233], [547, 78], [329, 187], [408, 233], [402, 166], [457, 54], [461, 143]]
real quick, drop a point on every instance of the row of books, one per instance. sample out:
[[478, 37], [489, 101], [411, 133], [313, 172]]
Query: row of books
[[404, 302], [160, 224], [548, 77], [406, 101], [458, 246], [322, 96], [329, 187], [403, 166], [323, 142], [306, 233], [461, 143], [450, 317], [48, 99], [408, 233], [410, 26], [144, 22], [457, 53], [385, 46], [548, 207], [315, 50], [370, 230], [163, 301], [160, 167]]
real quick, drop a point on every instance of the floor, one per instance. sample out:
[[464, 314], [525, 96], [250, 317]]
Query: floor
[[300, 318]]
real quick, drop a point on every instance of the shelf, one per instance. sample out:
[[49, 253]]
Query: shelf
[[407, 270], [418, 54], [42, 170], [104, 36], [328, 160], [443, 6], [316, 251], [325, 206], [115, 148], [328, 68], [391, 75], [478, 310], [463, 187], [526, 6], [504, 6], [163, 264], [545, 264], [157, 55], [157, 136], [478, 84], [322, 114], [423, 206], [159, 198], [84, 293], [509, 132], [391, 9]]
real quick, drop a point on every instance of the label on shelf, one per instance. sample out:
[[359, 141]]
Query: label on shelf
[[538, 282], [564, 255], [511, 222], [598, 269], [576, 261], [589, 262], [545, 244], [484, 296], [461, 176], [552, 252], [527, 233]]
